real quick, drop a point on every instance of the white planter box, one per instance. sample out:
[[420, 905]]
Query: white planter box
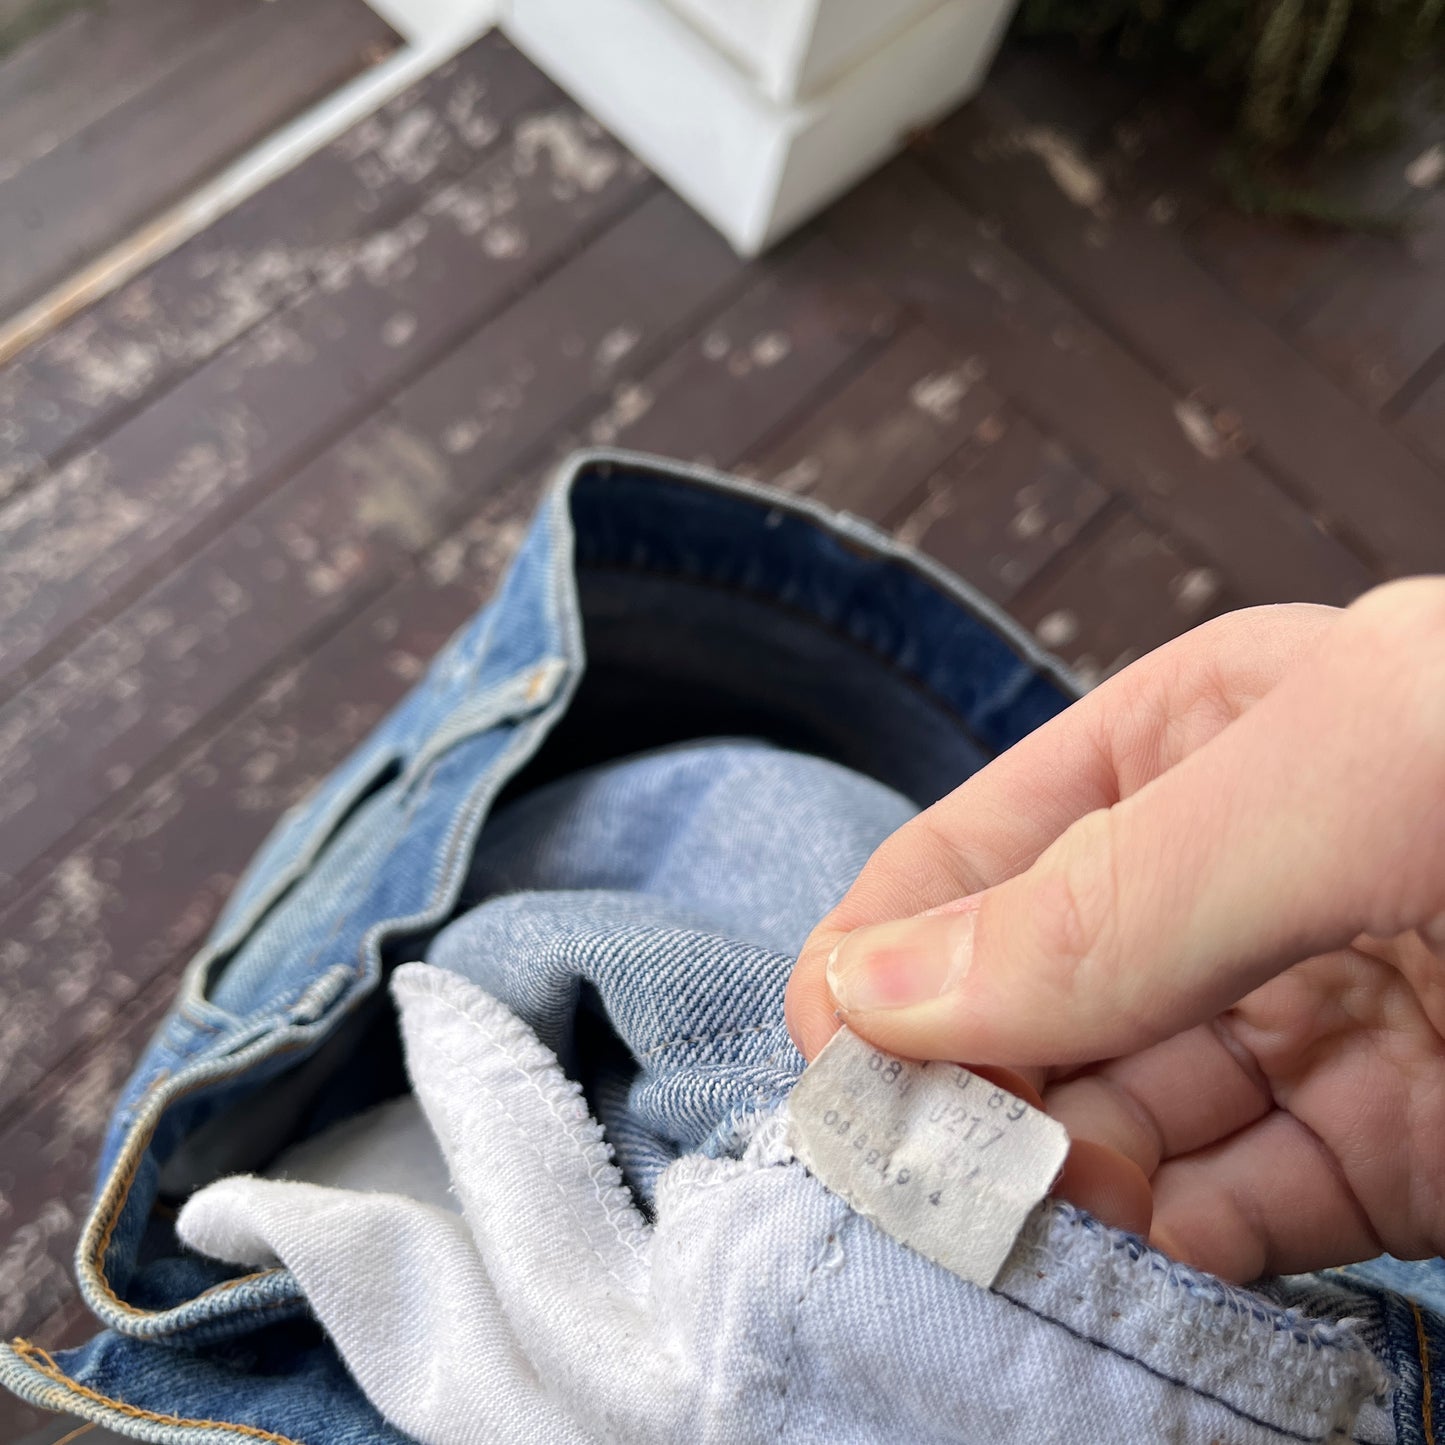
[[795, 48], [759, 112]]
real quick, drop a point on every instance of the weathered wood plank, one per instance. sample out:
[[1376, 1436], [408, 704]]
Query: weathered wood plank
[[94, 60], [877, 439], [1383, 319], [1120, 592], [47, 1168], [918, 442], [267, 254], [345, 524], [810, 313], [759, 363], [1165, 156], [1277, 268], [76, 543], [1239, 375], [22, 1422], [1134, 432], [742, 378], [1374, 184], [233, 88], [23, 22], [1166, 151], [1001, 507], [72, 939], [1424, 418], [623, 305], [1366, 307]]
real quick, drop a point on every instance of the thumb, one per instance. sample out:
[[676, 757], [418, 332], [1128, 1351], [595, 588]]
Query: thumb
[[1311, 819]]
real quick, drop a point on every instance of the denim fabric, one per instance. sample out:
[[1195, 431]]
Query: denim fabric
[[693, 877], [640, 920], [1422, 1280], [754, 1305], [650, 605]]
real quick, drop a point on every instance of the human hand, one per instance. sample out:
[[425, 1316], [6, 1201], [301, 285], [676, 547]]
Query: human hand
[[1202, 914]]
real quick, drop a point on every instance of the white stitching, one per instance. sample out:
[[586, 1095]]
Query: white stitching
[[606, 1193]]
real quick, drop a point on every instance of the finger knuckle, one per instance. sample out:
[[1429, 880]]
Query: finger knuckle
[[1077, 903], [1396, 640], [1401, 620]]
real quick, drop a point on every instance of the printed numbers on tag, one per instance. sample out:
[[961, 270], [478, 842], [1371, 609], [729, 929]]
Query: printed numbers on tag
[[1016, 1107], [890, 1071], [970, 1160], [873, 1156], [964, 1126]]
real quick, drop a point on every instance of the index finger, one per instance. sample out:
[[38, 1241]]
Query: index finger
[[1105, 747]]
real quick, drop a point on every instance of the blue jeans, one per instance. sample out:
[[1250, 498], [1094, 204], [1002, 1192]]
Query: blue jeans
[[650, 605]]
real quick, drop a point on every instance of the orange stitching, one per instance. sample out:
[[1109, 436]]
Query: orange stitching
[[121, 1185], [41, 1361], [118, 1189], [1425, 1403]]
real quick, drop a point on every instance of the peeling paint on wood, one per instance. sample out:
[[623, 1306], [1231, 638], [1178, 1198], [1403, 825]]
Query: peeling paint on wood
[[573, 148], [1079, 181], [884, 434], [1057, 629], [262, 256], [712, 402], [1002, 507], [85, 533], [1182, 324], [1199, 429], [104, 189], [1095, 397], [1427, 170]]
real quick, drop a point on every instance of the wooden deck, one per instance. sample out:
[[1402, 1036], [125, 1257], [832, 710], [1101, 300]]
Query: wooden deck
[[247, 496], [118, 109]]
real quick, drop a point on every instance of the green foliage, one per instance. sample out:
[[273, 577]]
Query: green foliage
[[1301, 73]]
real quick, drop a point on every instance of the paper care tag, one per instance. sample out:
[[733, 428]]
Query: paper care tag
[[935, 1156]]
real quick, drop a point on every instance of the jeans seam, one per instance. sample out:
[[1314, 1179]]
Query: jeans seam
[[622, 1238], [1173, 1278], [1427, 1410], [1238, 1411], [44, 1364], [836, 1226], [121, 1184]]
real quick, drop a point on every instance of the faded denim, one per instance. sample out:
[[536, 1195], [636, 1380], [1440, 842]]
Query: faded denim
[[635, 927]]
